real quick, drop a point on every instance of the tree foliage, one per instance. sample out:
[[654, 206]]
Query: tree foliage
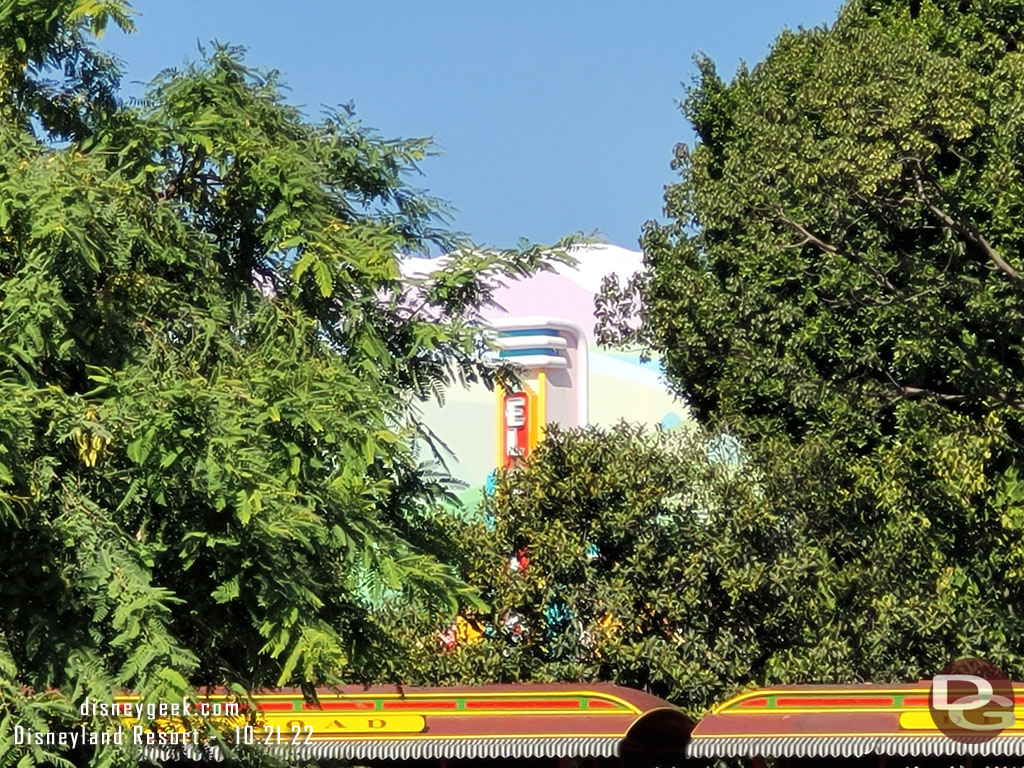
[[839, 285], [666, 562], [843, 242], [595, 558], [208, 373]]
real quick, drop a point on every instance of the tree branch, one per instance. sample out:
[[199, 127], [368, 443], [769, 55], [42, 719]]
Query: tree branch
[[963, 227], [810, 237], [907, 392], [902, 393]]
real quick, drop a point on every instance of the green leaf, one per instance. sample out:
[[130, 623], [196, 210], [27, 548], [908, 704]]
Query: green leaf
[[227, 591], [322, 273]]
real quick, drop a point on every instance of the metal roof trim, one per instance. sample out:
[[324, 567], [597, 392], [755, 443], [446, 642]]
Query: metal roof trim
[[852, 746], [426, 749]]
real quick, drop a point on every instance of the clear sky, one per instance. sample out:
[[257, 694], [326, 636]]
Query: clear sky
[[554, 115]]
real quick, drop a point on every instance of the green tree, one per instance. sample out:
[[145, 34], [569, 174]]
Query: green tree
[[844, 240], [602, 558], [665, 562], [839, 287], [209, 366]]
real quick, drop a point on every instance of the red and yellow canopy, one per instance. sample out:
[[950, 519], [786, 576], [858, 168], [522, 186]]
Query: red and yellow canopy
[[842, 721], [492, 721]]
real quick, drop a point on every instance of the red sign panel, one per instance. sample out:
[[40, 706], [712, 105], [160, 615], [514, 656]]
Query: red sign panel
[[515, 420]]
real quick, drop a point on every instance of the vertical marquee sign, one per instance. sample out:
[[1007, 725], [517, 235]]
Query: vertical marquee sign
[[518, 428], [550, 355]]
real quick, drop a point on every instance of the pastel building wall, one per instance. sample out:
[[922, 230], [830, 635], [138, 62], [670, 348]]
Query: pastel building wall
[[545, 324]]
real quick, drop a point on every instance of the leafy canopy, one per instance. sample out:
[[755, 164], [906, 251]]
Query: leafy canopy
[[208, 371], [665, 562], [840, 286], [598, 560], [844, 241]]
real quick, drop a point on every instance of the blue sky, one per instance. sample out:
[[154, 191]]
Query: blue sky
[[554, 116]]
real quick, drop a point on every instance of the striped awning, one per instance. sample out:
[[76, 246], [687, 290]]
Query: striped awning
[[854, 746], [415, 750], [843, 721]]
